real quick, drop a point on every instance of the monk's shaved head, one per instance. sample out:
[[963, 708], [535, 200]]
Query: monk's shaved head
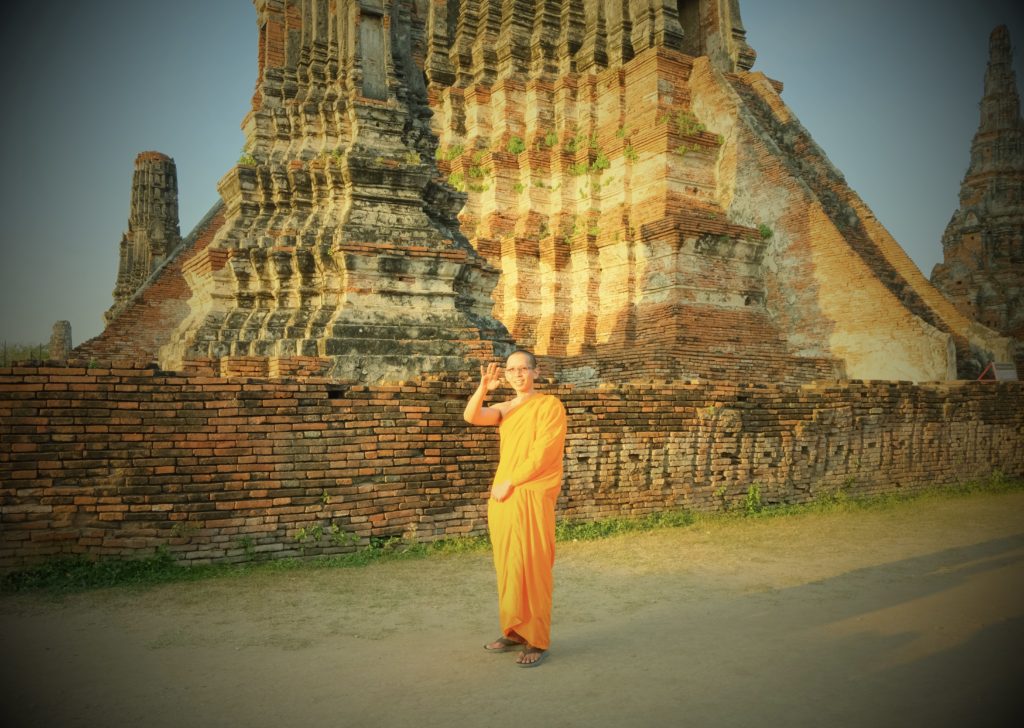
[[531, 360]]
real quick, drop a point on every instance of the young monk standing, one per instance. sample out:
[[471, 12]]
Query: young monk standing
[[521, 509]]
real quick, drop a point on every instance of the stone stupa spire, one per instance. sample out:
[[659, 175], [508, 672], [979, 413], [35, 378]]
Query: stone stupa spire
[[982, 271]]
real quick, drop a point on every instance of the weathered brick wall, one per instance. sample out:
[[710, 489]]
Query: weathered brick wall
[[116, 461]]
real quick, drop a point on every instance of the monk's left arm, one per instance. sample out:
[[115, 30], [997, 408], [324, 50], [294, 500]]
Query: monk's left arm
[[547, 450]]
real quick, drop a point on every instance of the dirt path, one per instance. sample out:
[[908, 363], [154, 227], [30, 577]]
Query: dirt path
[[908, 616]]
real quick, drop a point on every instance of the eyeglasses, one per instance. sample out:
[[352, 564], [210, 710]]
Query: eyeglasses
[[518, 370]]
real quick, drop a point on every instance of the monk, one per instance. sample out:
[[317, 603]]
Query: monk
[[521, 508]]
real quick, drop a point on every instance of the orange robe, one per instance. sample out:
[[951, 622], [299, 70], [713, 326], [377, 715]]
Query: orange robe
[[522, 527]]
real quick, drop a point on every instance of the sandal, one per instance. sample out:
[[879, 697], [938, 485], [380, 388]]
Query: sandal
[[541, 655], [507, 645]]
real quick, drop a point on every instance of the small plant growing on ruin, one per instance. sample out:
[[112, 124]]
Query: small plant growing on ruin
[[248, 546], [630, 153], [451, 153], [478, 156], [385, 544], [412, 158], [683, 149], [516, 145], [580, 168], [550, 139], [309, 533], [752, 502], [600, 163], [325, 497], [686, 124], [458, 181], [247, 160], [476, 174], [622, 131], [765, 231], [518, 187], [340, 537]]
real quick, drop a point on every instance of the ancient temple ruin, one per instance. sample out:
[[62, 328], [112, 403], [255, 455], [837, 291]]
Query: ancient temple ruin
[[982, 271], [152, 232], [608, 183]]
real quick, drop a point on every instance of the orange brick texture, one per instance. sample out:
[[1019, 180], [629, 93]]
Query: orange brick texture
[[117, 460], [652, 202]]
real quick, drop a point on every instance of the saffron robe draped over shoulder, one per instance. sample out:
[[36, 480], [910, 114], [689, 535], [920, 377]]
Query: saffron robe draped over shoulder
[[522, 527]]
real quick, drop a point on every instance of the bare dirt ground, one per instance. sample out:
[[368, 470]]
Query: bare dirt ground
[[905, 616]]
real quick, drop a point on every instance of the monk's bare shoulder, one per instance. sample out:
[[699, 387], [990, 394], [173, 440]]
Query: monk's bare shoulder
[[502, 407]]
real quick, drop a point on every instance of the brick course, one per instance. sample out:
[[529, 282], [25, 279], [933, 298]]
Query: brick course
[[119, 459]]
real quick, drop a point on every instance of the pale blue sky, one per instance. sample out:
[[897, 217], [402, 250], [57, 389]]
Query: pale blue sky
[[888, 89]]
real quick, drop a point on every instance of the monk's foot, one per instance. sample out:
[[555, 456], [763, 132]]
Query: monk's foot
[[505, 644], [531, 657]]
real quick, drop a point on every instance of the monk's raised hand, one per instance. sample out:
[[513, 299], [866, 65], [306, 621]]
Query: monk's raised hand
[[489, 378]]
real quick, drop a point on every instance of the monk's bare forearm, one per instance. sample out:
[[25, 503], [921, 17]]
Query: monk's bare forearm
[[472, 412]]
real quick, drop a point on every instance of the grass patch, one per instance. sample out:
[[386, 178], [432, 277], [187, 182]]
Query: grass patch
[[67, 575], [77, 574], [592, 530]]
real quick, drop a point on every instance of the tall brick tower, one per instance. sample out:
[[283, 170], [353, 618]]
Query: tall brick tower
[[152, 226], [983, 246]]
